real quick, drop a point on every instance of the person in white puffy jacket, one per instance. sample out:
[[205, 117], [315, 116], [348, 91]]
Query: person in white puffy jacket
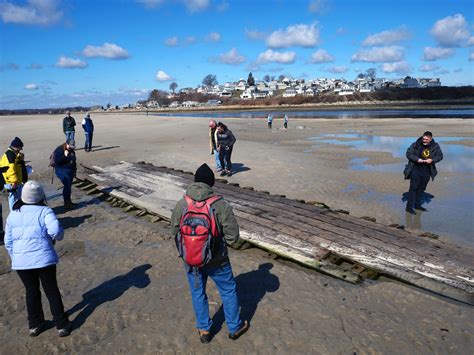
[[30, 234]]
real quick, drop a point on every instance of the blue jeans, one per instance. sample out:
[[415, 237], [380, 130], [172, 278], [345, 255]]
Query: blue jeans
[[218, 161], [225, 158], [70, 135], [65, 176], [13, 196], [225, 282], [418, 184], [88, 144]]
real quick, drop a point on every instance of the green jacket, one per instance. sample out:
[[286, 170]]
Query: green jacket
[[225, 219]]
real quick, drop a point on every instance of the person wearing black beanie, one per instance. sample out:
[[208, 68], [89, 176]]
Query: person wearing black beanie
[[13, 170], [213, 257], [204, 174]]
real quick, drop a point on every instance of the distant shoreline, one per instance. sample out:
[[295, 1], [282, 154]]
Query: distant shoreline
[[362, 105]]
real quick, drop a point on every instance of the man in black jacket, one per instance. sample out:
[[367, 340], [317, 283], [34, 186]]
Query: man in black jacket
[[422, 156]]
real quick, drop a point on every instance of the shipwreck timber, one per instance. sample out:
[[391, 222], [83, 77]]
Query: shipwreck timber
[[311, 234]]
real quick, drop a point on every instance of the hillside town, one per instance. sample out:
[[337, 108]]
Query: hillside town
[[285, 87]]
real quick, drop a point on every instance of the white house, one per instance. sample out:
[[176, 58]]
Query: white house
[[290, 92], [259, 95], [246, 95]]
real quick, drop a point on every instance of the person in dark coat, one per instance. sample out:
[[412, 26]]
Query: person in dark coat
[[88, 127], [68, 126], [65, 169], [422, 156], [225, 145]]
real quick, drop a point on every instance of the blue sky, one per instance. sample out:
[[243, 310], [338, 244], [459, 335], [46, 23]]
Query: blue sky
[[60, 53]]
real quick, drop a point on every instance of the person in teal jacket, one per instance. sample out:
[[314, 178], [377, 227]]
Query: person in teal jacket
[[30, 234]]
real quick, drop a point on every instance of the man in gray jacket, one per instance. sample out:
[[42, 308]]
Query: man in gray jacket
[[218, 268]]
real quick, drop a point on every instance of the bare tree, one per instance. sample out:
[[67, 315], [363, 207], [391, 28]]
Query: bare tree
[[173, 86], [266, 78], [250, 80], [371, 73], [209, 80], [281, 77]]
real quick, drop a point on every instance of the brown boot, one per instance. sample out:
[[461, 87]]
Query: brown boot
[[204, 336], [241, 331]]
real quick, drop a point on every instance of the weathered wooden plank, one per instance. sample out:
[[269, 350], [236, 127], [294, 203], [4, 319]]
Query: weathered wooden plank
[[342, 235], [300, 231]]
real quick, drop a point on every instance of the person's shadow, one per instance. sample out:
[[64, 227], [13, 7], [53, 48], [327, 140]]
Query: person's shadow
[[251, 288], [108, 291], [238, 168]]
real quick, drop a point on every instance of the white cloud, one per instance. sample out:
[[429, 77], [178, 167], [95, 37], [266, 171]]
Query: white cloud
[[337, 69], [428, 67], [340, 31], [379, 54], [196, 5], [433, 53], [162, 76], [35, 66], [321, 56], [294, 36], [70, 63], [318, 6], [398, 67], [151, 3], [190, 40], [107, 50], [470, 42], [277, 57], [35, 12], [31, 86], [387, 37], [172, 41], [471, 56], [223, 6], [451, 31], [213, 37], [255, 35], [231, 57], [9, 66]]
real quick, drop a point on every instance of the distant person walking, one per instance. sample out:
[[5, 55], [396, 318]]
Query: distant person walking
[[270, 120], [225, 145], [213, 144], [30, 234], [88, 127], [64, 157], [202, 243], [69, 124], [285, 121], [422, 156], [14, 173]]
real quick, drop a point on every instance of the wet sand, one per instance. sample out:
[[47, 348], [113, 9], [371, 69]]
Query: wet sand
[[136, 294]]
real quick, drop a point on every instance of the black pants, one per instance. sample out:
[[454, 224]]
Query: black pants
[[31, 280], [224, 157], [418, 183]]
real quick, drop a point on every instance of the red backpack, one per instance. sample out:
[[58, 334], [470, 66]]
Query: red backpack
[[197, 230]]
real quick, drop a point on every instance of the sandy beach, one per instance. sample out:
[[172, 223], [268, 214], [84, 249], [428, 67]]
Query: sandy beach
[[126, 289]]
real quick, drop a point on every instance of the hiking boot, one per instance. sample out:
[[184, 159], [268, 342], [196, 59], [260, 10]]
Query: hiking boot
[[69, 205], [34, 332], [420, 208], [204, 336], [223, 173], [410, 210], [241, 331], [229, 173], [64, 332]]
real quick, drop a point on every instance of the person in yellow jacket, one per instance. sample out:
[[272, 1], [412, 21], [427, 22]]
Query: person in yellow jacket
[[13, 170]]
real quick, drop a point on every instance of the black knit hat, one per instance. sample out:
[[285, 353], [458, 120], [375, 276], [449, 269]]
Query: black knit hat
[[16, 143], [204, 174]]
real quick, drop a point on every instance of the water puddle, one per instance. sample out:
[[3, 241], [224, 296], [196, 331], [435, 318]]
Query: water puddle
[[451, 214]]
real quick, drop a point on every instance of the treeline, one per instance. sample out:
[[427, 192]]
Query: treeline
[[444, 93], [50, 111]]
